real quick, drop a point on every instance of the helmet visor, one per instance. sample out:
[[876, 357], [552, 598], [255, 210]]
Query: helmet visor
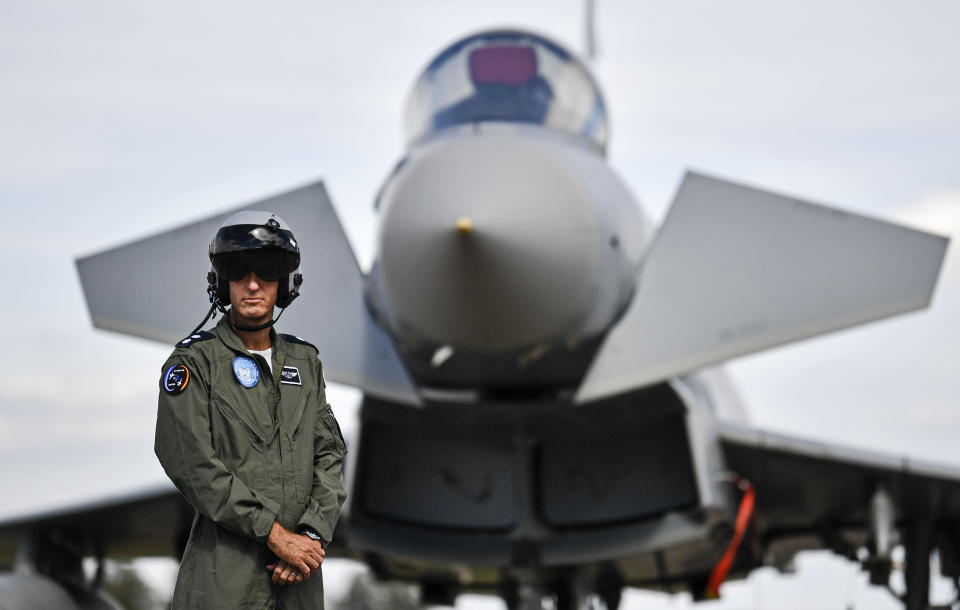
[[268, 266], [241, 238], [238, 250]]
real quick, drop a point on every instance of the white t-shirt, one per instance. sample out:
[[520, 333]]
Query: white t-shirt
[[267, 354]]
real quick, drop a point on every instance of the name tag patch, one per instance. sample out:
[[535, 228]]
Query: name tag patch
[[246, 371], [291, 375], [176, 378]]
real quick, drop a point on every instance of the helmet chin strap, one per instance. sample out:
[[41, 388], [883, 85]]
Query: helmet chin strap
[[240, 326]]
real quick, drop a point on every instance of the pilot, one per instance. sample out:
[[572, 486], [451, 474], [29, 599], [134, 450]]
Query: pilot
[[245, 433]]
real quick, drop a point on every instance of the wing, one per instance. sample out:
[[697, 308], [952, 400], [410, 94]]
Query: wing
[[735, 270], [812, 494], [148, 522], [153, 522], [155, 288]]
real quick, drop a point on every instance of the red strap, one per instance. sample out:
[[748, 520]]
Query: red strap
[[744, 514]]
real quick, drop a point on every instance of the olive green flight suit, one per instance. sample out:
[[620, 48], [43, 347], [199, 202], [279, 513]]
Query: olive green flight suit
[[244, 458]]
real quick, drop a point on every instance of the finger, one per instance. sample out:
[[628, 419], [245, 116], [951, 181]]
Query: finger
[[302, 567], [313, 563], [282, 575], [285, 576], [271, 566]]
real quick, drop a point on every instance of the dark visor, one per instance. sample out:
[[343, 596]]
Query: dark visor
[[269, 252], [268, 265]]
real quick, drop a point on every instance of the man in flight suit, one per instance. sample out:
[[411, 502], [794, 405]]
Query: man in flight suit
[[245, 433]]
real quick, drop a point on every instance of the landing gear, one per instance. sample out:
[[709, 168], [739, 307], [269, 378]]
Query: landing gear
[[882, 536], [525, 590], [565, 589], [919, 544]]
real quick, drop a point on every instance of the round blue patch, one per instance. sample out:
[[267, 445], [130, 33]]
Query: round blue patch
[[246, 371]]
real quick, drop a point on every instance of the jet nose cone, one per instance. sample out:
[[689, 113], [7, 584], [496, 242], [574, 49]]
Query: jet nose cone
[[487, 243]]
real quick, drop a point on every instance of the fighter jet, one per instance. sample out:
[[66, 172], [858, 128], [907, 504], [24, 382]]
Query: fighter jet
[[544, 412]]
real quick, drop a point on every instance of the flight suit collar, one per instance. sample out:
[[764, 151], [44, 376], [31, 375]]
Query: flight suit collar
[[232, 340]]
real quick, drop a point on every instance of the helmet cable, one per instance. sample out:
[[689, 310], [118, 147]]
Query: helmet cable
[[210, 313], [239, 326]]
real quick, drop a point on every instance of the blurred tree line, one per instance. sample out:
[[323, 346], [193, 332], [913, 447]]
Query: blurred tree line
[[368, 594], [126, 586]]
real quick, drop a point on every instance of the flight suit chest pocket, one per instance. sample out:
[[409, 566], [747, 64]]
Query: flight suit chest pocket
[[298, 416], [234, 432]]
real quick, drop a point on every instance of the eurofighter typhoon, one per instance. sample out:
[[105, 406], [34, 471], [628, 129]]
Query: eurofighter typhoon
[[543, 413]]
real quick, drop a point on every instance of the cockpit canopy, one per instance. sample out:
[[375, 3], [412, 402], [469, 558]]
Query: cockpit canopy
[[507, 76]]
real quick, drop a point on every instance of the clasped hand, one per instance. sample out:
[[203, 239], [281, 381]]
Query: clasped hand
[[298, 555]]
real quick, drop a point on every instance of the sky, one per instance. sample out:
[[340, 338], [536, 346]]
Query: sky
[[121, 118]]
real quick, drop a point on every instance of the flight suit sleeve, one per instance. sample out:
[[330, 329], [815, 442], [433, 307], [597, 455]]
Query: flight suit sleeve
[[185, 450], [327, 492]]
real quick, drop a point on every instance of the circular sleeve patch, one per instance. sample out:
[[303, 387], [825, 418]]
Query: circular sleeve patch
[[176, 378]]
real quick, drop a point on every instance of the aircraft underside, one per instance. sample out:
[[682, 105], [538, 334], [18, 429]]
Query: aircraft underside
[[530, 499]]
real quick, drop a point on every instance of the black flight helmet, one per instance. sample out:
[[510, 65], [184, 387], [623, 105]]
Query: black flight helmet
[[260, 242]]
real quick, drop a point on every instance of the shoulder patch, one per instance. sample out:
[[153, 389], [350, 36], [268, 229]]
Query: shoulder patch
[[197, 336], [300, 340], [175, 379]]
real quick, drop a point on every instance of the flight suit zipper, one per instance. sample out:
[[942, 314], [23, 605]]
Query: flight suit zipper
[[288, 475]]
